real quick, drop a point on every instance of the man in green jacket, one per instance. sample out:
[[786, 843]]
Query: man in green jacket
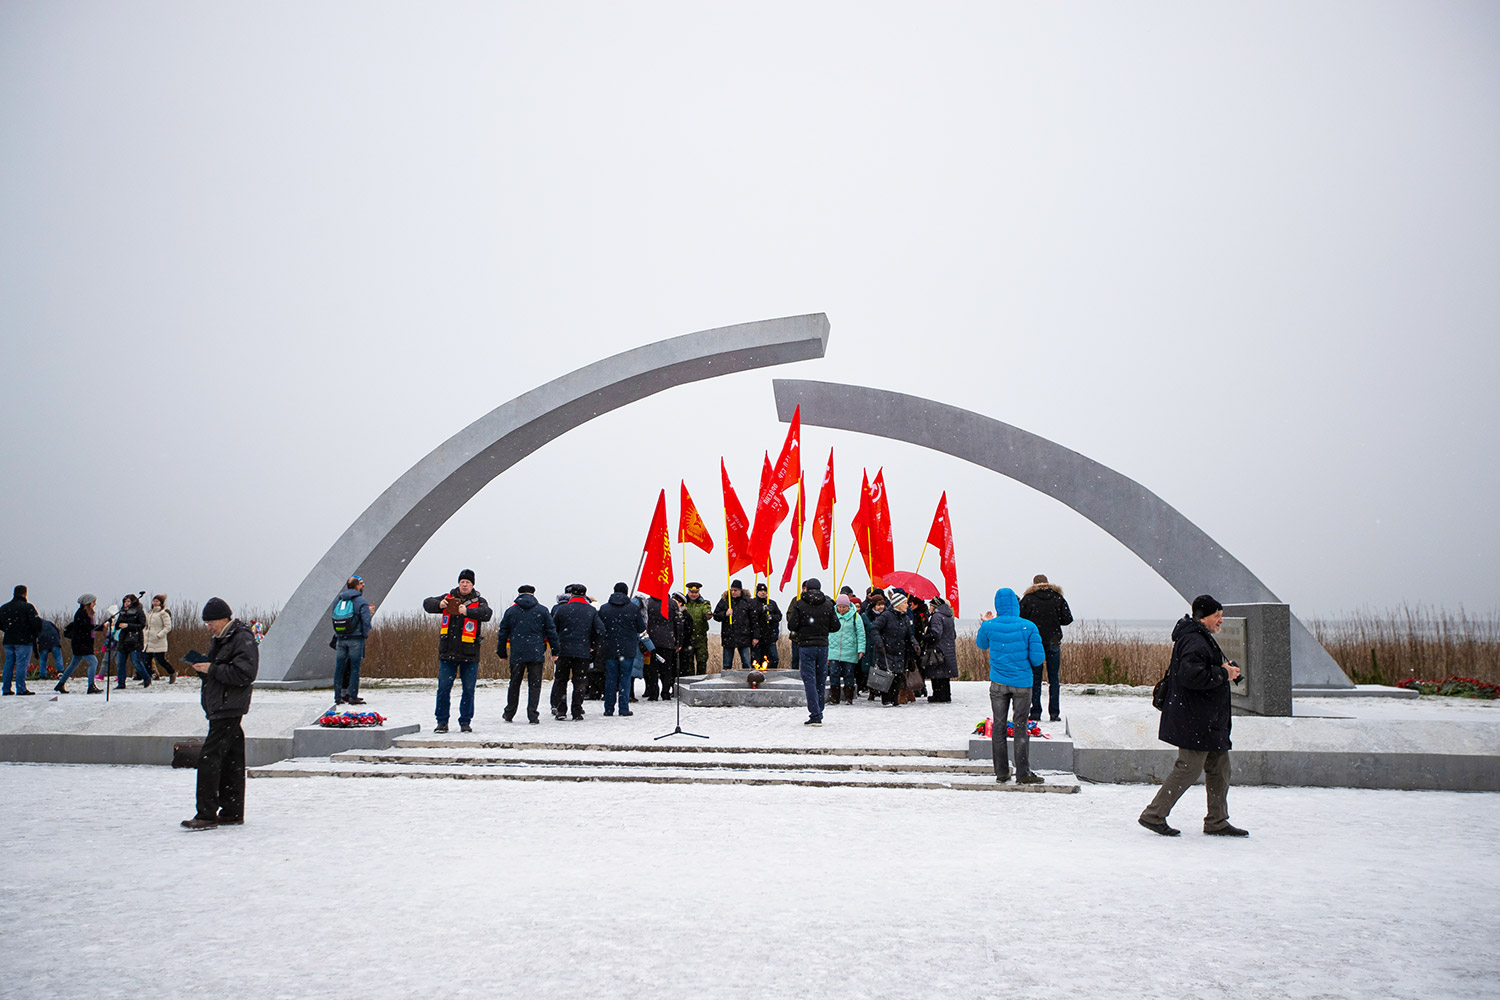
[[698, 611]]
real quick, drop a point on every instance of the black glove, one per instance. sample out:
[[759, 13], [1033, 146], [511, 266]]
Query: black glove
[[333, 643]]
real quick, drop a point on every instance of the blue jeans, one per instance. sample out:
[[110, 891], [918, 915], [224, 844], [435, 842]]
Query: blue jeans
[[843, 674], [617, 685], [90, 664], [347, 656], [468, 674], [135, 660], [815, 679], [1054, 684], [56, 653], [729, 652], [17, 662]]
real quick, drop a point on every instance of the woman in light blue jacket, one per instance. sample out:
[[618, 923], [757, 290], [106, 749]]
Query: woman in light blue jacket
[[845, 649]]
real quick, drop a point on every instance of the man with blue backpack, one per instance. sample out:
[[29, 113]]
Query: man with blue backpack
[[351, 626]]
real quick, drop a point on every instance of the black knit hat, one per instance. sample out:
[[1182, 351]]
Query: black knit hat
[[467, 574], [622, 588], [1203, 606], [216, 609], [762, 587], [736, 585], [811, 583]]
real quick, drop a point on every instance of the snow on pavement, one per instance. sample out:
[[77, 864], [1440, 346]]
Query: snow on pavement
[[398, 888]]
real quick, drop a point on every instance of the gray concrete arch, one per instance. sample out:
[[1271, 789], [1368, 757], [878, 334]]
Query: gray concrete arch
[[1177, 549], [382, 540]]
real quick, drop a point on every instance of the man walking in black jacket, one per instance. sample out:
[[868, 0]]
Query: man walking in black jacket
[[1045, 607], [463, 611], [1196, 719], [526, 631], [810, 618], [233, 661]]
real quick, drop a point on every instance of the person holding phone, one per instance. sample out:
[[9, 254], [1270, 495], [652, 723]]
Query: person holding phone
[[228, 672], [1196, 720]]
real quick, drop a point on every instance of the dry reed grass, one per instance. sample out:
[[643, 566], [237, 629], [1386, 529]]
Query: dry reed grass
[[1372, 647], [1383, 647]]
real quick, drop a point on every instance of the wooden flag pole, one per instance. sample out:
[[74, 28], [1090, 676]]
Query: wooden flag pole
[[919, 558]]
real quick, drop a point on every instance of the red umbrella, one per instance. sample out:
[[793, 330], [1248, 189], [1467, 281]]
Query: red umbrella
[[913, 583]]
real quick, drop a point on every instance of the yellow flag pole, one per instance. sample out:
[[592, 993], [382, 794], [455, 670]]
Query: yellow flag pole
[[919, 558], [729, 600], [847, 560], [870, 555], [801, 515]]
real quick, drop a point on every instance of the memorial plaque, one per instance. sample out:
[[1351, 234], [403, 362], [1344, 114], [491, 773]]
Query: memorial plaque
[[1231, 639], [1258, 637]]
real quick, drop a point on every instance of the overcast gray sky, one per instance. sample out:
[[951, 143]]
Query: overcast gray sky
[[256, 259]]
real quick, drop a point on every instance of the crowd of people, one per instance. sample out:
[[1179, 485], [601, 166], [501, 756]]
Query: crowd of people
[[886, 644], [126, 634], [906, 644]]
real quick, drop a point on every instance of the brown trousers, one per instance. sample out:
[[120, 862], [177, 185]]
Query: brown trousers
[[1214, 766]]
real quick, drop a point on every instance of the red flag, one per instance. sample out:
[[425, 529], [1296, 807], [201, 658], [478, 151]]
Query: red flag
[[690, 526], [823, 515], [656, 570], [861, 523], [736, 528], [941, 537], [799, 519], [770, 511], [883, 543], [788, 468]]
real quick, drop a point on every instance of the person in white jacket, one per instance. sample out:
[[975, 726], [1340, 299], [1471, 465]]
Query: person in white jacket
[[158, 624]]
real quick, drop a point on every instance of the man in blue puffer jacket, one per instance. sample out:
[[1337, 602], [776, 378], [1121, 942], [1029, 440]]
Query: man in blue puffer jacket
[[1015, 647]]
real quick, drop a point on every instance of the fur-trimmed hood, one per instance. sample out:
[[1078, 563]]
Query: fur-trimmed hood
[[1037, 588]]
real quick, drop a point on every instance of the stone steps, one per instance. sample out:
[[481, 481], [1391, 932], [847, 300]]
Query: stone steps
[[666, 771], [676, 758]]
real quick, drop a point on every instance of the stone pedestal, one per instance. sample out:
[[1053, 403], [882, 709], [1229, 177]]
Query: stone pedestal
[[1258, 637], [731, 689], [325, 741]]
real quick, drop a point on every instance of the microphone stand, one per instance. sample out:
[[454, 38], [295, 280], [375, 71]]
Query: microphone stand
[[677, 692]]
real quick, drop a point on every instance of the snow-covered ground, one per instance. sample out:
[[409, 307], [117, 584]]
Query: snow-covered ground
[[430, 888]]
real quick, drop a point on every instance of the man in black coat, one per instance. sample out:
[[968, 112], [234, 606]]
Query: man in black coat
[[228, 673], [578, 632], [810, 618], [21, 625], [767, 628], [735, 614], [1196, 720], [463, 611], [1045, 607], [526, 631], [623, 624]]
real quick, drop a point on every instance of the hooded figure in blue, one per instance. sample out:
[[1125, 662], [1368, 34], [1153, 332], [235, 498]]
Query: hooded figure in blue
[[1015, 647]]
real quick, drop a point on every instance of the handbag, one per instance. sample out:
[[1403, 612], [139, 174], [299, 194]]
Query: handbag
[[915, 682], [1159, 693], [881, 680], [186, 753], [933, 659]]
